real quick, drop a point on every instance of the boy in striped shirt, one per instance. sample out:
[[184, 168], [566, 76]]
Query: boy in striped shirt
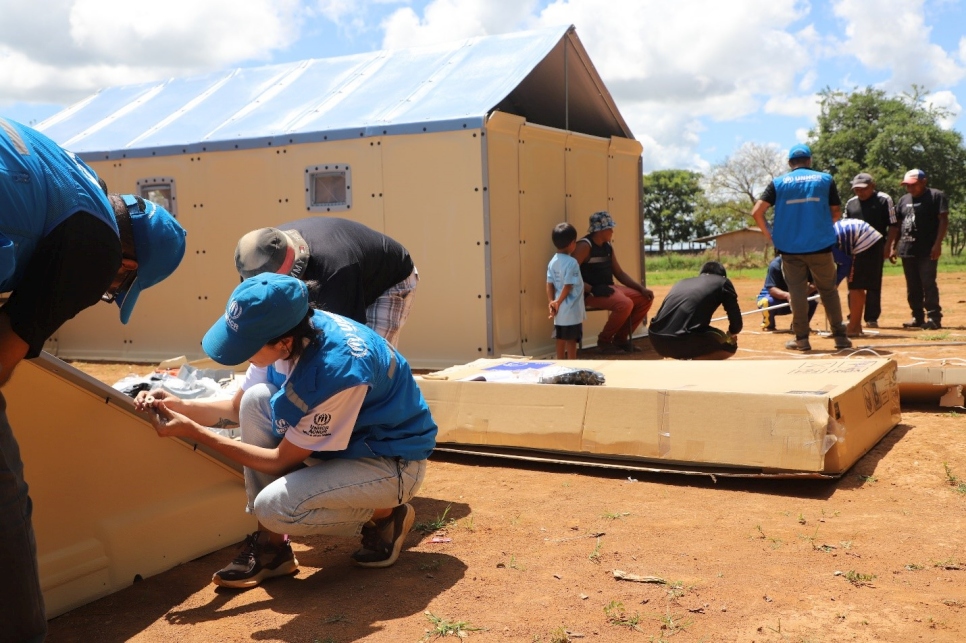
[[856, 259]]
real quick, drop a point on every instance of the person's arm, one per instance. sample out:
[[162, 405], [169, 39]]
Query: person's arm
[[834, 202], [758, 214], [550, 291], [836, 212], [282, 459], [555, 304], [735, 322], [937, 248], [889, 252], [12, 349], [626, 279], [206, 412]]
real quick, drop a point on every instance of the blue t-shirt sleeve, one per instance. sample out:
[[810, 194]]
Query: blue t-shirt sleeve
[[572, 275]]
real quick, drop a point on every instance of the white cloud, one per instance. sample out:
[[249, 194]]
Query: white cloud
[[447, 20], [62, 50], [946, 101], [803, 106], [892, 35]]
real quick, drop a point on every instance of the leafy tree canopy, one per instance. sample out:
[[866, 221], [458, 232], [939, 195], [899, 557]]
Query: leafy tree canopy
[[670, 200], [869, 131]]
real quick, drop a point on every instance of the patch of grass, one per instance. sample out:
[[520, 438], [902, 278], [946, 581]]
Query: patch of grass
[[775, 542], [671, 624], [913, 567], [469, 523], [594, 556], [953, 480], [801, 518], [859, 579], [933, 337], [615, 515], [559, 635], [676, 589], [616, 615], [432, 526], [761, 532], [443, 627], [869, 478], [846, 544]]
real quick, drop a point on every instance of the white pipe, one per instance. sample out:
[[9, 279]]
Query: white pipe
[[761, 310]]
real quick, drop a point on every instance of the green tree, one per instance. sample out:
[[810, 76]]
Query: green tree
[[869, 131], [956, 234], [670, 202]]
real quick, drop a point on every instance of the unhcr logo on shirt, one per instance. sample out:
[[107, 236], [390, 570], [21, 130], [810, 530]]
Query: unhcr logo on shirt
[[801, 178], [357, 345]]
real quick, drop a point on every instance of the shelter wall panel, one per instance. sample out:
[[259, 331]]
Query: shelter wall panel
[[433, 201], [502, 145], [623, 187], [111, 499], [542, 206], [587, 182]]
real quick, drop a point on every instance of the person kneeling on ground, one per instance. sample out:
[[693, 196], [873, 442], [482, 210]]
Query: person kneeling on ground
[[682, 328], [321, 390], [775, 293]]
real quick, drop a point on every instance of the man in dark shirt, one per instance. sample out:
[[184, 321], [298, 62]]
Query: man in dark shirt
[[682, 327], [923, 214], [64, 245], [876, 209], [350, 269]]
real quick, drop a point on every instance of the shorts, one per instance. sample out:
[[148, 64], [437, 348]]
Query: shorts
[[866, 269], [694, 345], [574, 333]]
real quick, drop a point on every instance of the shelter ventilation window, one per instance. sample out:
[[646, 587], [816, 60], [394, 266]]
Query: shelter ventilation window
[[328, 188], [160, 190]]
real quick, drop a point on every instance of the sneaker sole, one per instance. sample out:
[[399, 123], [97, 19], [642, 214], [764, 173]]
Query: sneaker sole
[[285, 569], [397, 546]]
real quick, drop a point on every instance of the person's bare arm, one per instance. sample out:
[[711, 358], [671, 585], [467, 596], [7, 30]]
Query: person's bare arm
[[12, 349], [836, 212], [626, 279], [778, 293], [890, 247], [937, 248], [215, 413], [758, 214], [278, 461]]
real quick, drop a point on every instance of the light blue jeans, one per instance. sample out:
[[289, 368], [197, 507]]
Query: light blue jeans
[[334, 497]]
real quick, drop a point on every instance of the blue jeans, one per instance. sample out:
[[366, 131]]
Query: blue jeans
[[334, 497], [922, 293], [22, 614]]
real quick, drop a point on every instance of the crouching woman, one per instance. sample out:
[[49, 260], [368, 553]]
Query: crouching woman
[[335, 432]]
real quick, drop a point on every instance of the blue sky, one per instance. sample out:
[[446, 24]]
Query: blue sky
[[694, 78]]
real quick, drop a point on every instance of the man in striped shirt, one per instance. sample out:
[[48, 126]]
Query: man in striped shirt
[[858, 258]]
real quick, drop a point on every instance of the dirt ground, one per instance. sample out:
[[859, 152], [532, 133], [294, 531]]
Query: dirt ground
[[524, 552]]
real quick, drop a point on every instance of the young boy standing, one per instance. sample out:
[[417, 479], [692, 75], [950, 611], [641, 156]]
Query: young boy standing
[[565, 290]]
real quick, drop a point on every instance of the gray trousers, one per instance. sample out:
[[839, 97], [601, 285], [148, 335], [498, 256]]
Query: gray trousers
[[796, 270]]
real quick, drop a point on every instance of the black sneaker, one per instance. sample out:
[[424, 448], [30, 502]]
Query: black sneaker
[[255, 562], [382, 540], [930, 324], [912, 323]]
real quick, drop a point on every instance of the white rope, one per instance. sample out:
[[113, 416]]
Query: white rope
[[761, 310]]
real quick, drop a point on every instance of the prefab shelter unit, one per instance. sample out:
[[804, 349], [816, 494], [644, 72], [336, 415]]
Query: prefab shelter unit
[[468, 154], [737, 242]]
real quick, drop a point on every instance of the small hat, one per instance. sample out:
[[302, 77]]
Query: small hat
[[913, 176], [260, 309], [862, 180], [799, 151], [159, 243], [601, 221], [283, 252]]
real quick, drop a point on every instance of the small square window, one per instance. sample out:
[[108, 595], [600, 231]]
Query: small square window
[[160, 191], [328, 188]]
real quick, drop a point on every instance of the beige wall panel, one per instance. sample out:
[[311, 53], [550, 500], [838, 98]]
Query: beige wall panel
[[542, 206], [433, 199], [587, 185], [502, 144], [624, 181], [111, 499]]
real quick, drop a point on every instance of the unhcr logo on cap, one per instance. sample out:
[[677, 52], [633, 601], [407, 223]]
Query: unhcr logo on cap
[[232, 314]]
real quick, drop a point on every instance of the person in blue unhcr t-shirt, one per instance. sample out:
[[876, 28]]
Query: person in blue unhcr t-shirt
[[807, 205]]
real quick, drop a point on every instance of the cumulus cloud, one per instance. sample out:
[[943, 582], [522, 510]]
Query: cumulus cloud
[[897, 40], [447, 20], [949, 104], [62, 50]]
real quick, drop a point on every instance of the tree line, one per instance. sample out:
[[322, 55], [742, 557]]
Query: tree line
[[860, 131]]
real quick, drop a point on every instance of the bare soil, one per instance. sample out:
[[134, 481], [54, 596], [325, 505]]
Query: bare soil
[[528, 552]]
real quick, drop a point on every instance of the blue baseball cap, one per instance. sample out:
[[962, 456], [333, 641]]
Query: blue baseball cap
[[260, 309], [159, 243], [799, 151]]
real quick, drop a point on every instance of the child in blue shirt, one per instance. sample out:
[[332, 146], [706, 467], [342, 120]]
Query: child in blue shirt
[[565, 290]]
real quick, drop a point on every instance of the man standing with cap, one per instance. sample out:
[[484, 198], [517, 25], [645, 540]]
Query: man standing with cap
[[807, 205], [876, 209], [628, 303], [350, 269], [923, 214], [64, 245]]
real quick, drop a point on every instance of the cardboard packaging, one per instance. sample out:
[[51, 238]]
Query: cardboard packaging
[[814, 416]]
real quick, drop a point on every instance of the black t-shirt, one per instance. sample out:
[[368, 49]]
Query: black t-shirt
[[877, 211], [919, 219], [352, 264], [690, 304], [598, 268], [71, 268]]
